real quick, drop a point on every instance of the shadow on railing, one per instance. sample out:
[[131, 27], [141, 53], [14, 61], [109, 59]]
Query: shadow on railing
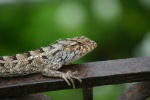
[[92, 74]]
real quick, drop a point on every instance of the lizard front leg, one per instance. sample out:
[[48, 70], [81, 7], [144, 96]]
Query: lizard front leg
[[68, 77]]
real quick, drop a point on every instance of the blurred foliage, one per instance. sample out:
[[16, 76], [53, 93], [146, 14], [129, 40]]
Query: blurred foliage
[[117, 26]]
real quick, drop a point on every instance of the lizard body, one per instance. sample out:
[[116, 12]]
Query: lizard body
[[47, 60]]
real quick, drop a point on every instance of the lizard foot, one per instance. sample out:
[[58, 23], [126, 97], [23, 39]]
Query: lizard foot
[[69, 76]]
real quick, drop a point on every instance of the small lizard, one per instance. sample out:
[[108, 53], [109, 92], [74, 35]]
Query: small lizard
[[47, 60]]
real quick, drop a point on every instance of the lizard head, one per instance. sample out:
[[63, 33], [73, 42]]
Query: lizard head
[[81, 45], [77, 47]]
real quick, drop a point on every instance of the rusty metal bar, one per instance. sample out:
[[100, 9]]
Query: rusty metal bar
[[88, 93], [93, 74], [137, 91]]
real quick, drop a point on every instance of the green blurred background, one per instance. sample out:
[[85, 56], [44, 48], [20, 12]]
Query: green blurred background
[[121, 29]]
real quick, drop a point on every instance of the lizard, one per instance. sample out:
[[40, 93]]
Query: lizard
[[48, 60]]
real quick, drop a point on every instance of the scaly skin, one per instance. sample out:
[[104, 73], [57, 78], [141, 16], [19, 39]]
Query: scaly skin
[[47, 60]]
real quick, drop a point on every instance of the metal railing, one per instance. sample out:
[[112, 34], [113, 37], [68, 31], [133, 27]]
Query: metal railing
[[92, 74]]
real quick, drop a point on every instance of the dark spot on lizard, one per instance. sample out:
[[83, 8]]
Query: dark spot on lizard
[[44, 57], [14, 57], [41, 50], [1, 58], [51, 47], [73, 55], [28, 54], [2, 64], [62, 60], [30, 61], [56, 52]]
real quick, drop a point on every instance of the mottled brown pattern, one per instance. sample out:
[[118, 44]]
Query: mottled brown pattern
[[47, 60]]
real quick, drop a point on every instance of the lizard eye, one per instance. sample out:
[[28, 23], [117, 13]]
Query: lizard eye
[[79, 43]]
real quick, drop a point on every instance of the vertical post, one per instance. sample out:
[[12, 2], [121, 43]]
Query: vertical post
[[88, 93]]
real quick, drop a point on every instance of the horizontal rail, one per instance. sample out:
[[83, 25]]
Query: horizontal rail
[[92, 74]]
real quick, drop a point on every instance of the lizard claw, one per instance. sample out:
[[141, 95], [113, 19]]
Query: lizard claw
[[69, 76]]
